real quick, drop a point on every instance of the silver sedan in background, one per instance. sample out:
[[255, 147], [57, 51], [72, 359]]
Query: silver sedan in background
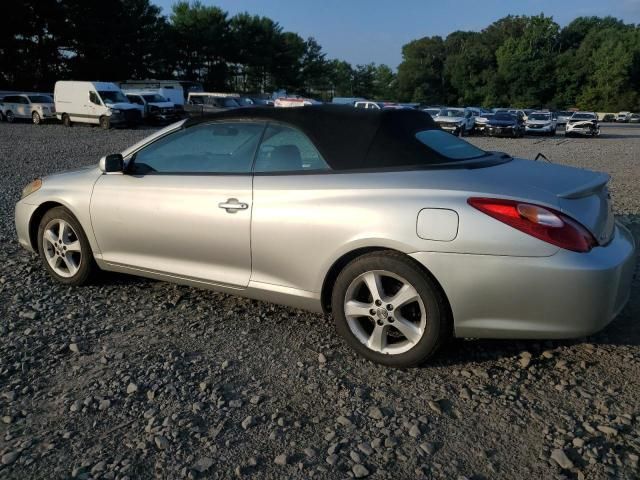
[[405, 234]]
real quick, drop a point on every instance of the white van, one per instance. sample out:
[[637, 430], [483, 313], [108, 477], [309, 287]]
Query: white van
[[100, 103]]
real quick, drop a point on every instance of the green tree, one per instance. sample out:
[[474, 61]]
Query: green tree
[[421, 73]]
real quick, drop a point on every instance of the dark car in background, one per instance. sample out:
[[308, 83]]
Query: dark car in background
[[505, 124], [202, 103]]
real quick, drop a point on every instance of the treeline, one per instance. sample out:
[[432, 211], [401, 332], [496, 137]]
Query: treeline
[[592, 63], [48, 40]]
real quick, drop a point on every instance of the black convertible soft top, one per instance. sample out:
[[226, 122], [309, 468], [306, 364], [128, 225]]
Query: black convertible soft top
[[351, 138]]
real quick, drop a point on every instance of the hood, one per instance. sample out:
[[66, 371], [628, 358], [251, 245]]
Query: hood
[[162, 104], [449, 119], [502, 123], [123, 106]]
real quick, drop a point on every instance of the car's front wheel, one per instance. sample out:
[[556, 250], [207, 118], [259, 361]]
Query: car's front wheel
[[389, 311], [35, 117], [64, 248]]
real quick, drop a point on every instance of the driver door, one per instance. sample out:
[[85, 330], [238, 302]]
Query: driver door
[[183, 207]]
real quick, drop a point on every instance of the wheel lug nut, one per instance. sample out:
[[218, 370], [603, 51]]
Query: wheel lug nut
[[380, 322], [391, 320], [372, 311], [378, 302], [389, 307]]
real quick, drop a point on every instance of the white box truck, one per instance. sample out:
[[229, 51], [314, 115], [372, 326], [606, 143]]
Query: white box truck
[[100, 103]]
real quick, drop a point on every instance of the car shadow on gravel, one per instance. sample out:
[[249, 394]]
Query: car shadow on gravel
[[624, 330]]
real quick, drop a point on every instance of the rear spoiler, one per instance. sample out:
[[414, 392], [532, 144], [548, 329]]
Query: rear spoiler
[[588, 188]]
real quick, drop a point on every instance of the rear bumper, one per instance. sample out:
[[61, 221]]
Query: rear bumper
[[566, 295]]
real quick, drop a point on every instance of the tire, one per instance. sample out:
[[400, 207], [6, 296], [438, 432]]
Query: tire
[[462, 133], [66, 120], [426, 316], [104, 123], [10, 117], [66, 255], [35, 117]]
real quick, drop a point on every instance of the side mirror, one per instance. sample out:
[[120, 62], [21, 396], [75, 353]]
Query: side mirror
[[113, 163]]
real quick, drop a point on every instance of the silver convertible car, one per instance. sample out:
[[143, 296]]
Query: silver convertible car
[[405, 234]]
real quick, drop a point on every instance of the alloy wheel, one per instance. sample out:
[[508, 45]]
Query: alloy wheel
[[62, 248], [385, 312]]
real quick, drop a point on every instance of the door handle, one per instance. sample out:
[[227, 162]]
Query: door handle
[[232, 205]]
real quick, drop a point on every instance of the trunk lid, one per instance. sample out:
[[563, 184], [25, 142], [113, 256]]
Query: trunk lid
[[581, 194]]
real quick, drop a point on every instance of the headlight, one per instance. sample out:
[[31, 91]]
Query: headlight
[[31, 188]]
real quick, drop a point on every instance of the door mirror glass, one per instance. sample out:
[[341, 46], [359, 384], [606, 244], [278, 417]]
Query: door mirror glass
[[112, 163]]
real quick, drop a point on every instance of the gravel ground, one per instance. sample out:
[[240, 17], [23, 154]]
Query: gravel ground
[[132, 378]]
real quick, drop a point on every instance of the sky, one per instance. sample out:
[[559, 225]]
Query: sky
[[361, 31]]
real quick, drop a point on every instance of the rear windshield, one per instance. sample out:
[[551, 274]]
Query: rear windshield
[[449, 146], [40, 99], [539, 116], [583, 116], [450, 112]]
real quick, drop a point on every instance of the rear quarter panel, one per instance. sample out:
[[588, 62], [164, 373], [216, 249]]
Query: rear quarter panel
[[302, 224]]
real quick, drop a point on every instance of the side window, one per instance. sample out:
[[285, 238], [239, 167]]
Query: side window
[[286, 149], [361, 105], [24, 100], [135, 99], [93, 98], [224, 147]]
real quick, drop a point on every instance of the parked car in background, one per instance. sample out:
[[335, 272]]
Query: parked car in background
[[254, 100], [424, 236], [155, 107], [482, 121], [563, 117], [347, 100], [366, 104], [432, 111], [201, 103], [505, 124], [609, 118], [623, 117], [634, 118], [541, 123], [99, 103], [583, 124], [292, 102], [36, 107], [176, 91], [457, 121]]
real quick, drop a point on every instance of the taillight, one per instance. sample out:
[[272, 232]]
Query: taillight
[[543, 223]]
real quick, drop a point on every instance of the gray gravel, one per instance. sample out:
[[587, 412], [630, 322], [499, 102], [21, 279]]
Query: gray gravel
[[132, 378]]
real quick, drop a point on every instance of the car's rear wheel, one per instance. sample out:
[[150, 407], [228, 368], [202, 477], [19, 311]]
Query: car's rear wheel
[[66, 120], [64, 248], [10, 117], [35, 116], [389, 311]]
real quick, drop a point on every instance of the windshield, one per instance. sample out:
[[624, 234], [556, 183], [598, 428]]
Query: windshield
[[451, 112], [112, 96], [228, 102], [539, 116], [154, 97], [504, 116], [448, 145], [583, 116], [40, 99]]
